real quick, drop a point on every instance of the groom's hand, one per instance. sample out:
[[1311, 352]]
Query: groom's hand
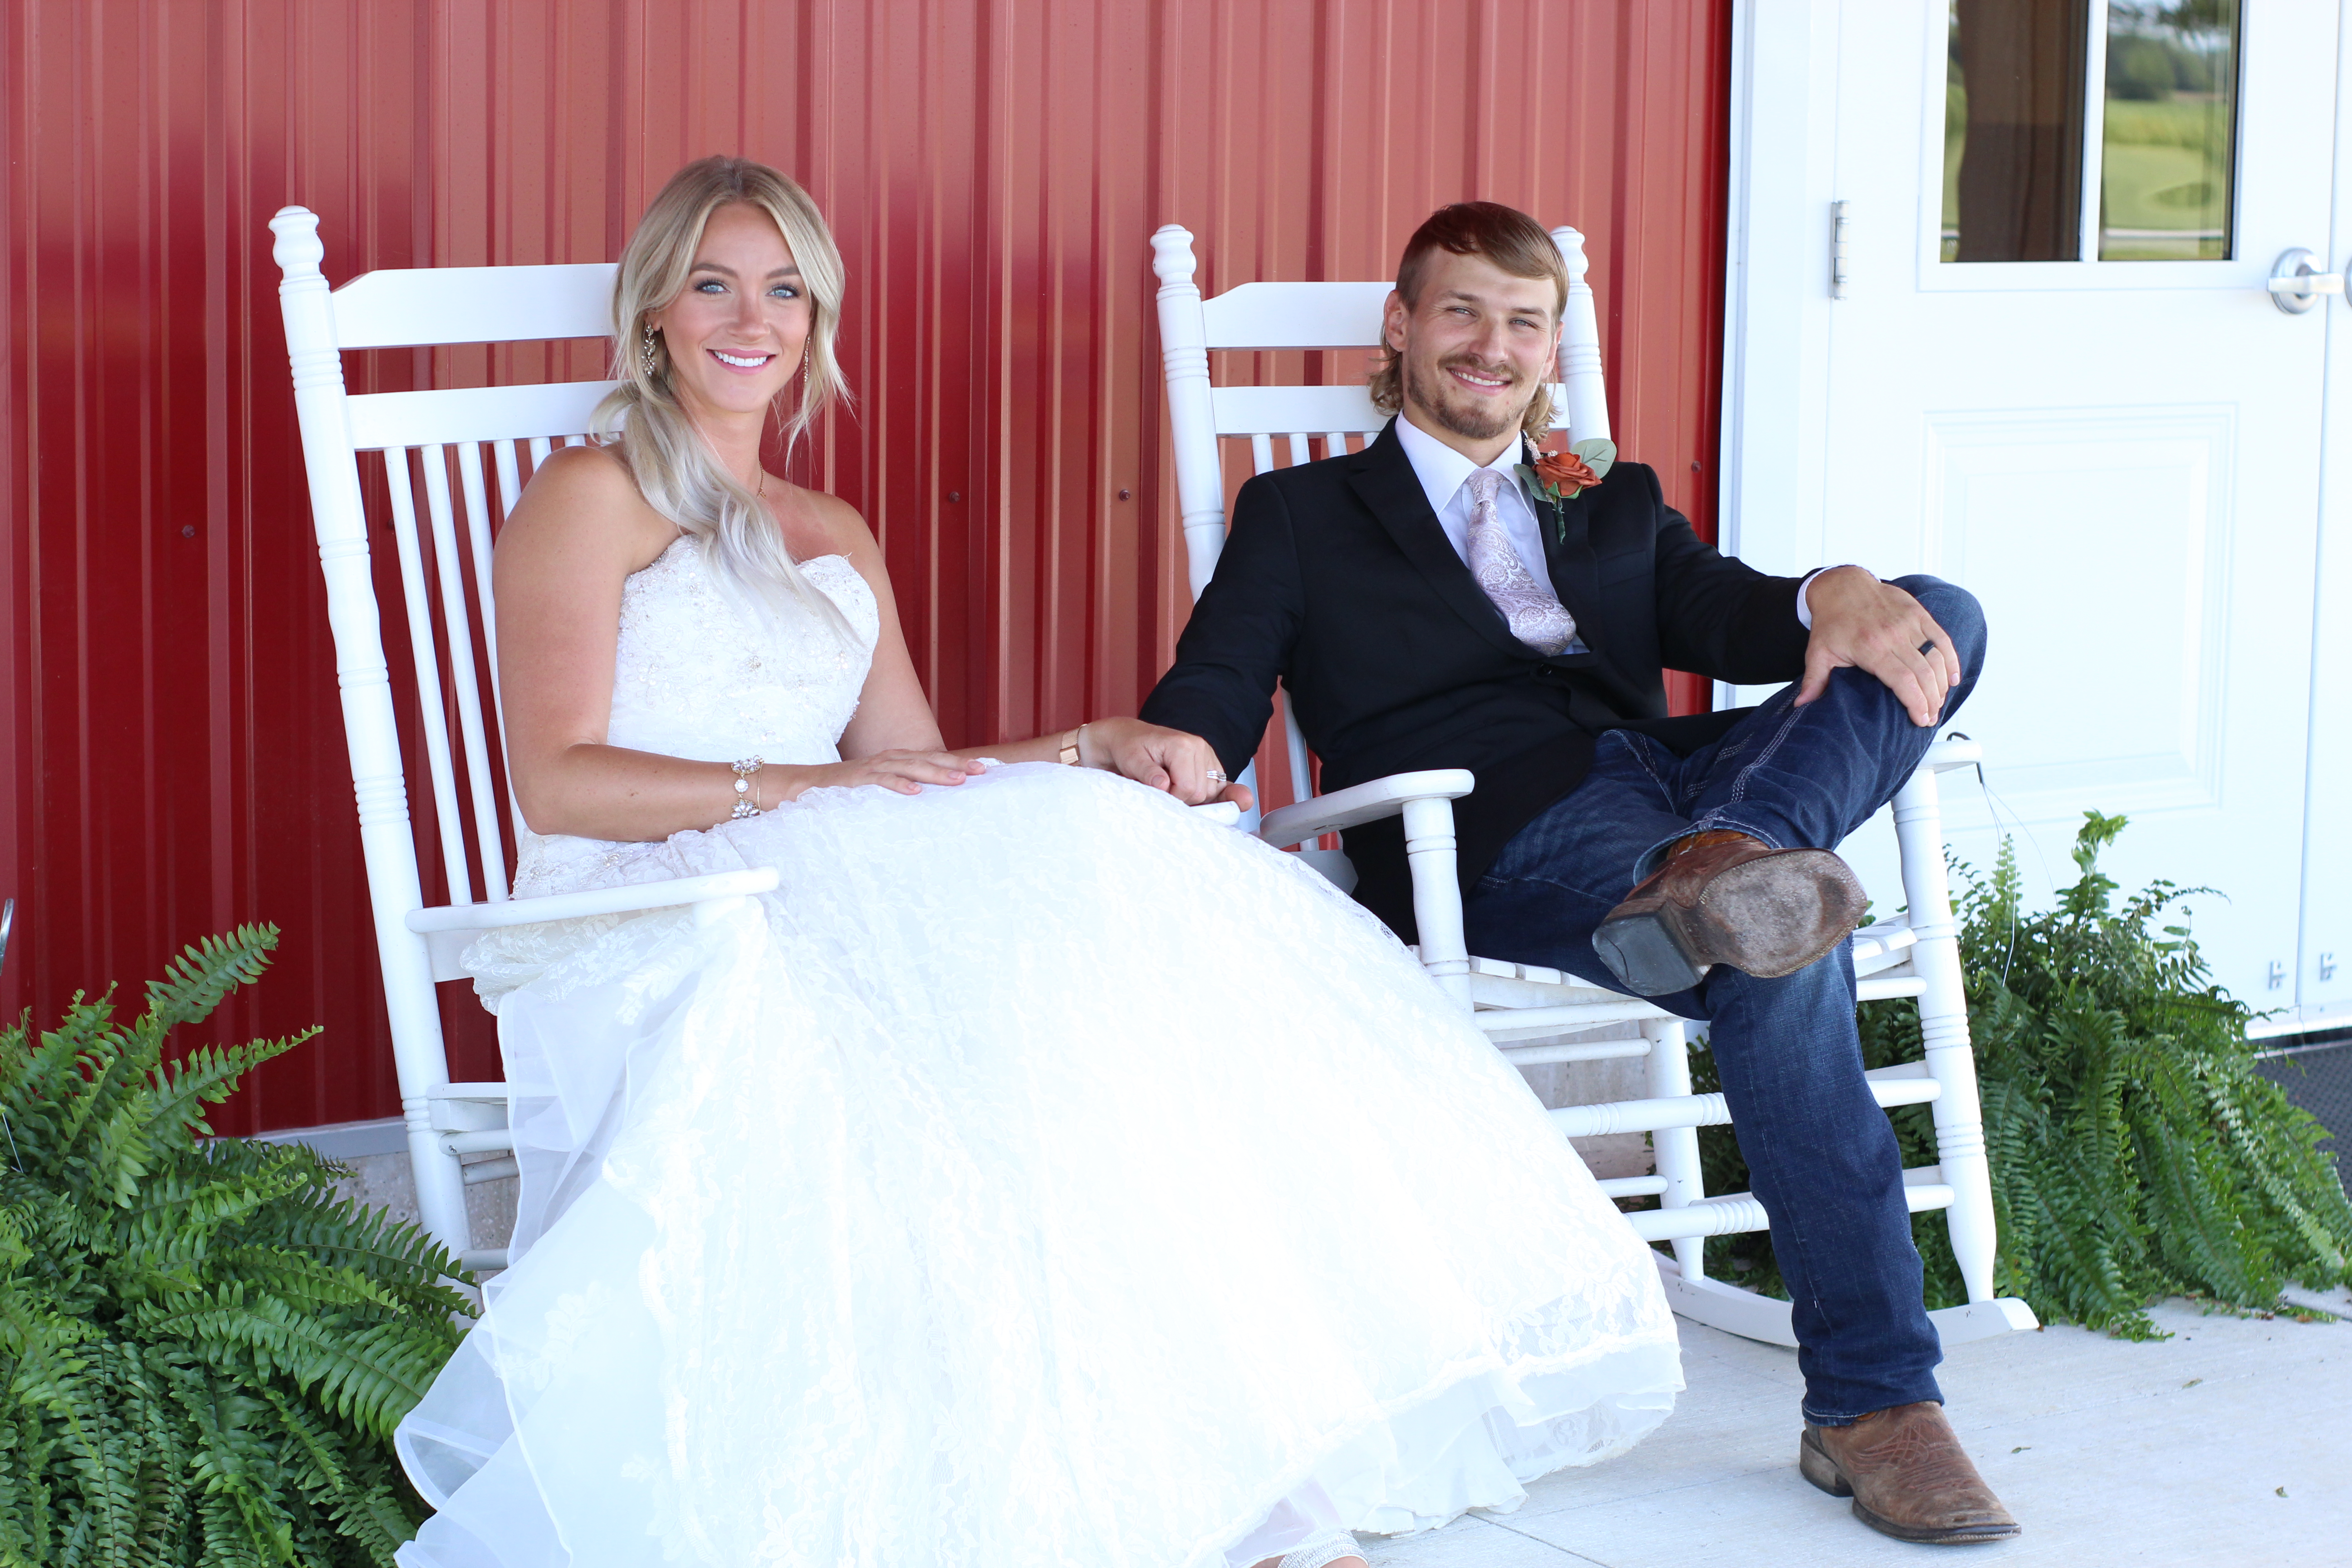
[[1861, 623], [1169, 759]]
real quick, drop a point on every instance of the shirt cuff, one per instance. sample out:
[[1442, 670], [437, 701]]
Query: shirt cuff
[[1805, 589]]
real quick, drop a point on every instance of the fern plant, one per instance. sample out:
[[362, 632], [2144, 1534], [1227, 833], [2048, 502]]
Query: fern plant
[[202, 1352], [2136, 1152]]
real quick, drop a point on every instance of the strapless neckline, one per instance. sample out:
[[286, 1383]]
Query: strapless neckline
[[803, 563]]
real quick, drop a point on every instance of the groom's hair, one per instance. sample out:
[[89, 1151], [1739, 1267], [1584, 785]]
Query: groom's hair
[[1512, 242]]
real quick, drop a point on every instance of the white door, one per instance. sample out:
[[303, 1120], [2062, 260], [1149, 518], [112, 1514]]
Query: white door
[[2042, 358]]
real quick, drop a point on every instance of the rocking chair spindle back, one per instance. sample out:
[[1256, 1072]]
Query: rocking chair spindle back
[[445, 567]]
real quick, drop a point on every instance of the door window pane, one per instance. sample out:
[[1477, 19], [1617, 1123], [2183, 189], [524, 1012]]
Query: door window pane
[[2013, 130], [2168, 148]]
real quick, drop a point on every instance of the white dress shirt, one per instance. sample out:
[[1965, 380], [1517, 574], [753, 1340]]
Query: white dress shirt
[[1444, 475]]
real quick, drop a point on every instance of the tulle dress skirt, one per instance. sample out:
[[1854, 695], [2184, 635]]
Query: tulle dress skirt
[[1042, 1175]]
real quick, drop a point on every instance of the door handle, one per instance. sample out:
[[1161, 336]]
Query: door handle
[[2296, 285]]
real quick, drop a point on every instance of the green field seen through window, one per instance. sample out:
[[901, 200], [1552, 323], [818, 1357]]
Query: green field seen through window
[[2168, 122]]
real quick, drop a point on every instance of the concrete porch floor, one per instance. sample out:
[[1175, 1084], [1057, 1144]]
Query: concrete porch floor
[[2227, 1446]]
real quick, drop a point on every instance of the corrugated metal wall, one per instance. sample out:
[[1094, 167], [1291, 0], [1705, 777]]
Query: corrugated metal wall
[[167, 711]]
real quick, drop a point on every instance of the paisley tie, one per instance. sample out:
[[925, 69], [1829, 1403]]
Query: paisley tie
[[1537, 617]]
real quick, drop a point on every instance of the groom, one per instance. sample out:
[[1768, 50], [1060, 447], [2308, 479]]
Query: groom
[[1429, 607]]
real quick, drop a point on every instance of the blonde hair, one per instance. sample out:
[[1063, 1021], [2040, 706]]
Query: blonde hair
[[1516, 244], [674, 465]]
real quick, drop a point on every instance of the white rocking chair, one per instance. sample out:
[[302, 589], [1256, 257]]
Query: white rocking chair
[[512, 429], [1524, 1009], [504, 427]]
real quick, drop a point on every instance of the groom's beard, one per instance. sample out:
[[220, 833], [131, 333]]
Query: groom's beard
[[1474, 419]]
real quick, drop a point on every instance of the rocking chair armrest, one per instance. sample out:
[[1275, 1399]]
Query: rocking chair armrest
[[628, 900], [1958, 752], [1363, 803]]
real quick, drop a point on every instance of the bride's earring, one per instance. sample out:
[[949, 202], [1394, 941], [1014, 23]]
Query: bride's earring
[[648, 360]]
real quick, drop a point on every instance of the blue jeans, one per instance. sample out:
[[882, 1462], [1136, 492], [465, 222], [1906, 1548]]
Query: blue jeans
[[1820, 1151]]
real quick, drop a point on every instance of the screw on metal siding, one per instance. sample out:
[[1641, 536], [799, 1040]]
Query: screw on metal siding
[[2278, 974], [2327, 966]]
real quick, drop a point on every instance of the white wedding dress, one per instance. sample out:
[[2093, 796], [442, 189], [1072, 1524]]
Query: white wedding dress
[[1042, 1175]]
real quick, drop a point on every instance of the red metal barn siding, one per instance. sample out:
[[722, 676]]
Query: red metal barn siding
[[168, 715]]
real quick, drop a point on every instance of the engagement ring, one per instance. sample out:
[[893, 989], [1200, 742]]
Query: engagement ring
[[1217, 778]]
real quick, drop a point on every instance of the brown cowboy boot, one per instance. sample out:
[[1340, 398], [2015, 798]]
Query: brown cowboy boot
[[1908, 1477], [1723, 898]]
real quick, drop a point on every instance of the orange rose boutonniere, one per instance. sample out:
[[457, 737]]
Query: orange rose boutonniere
[[1565, 472], [1562, 477]]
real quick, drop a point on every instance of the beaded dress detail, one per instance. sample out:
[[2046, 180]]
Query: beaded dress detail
[[1042, 1174]]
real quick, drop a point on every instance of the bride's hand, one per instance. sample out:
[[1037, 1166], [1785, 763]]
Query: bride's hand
[[1170, 760], [905, 772]]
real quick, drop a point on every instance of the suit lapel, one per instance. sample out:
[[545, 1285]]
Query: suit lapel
[[1568, 556], [1383, 479]]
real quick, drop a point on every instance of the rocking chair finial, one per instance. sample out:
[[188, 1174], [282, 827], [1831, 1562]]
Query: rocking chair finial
[[298, 249]]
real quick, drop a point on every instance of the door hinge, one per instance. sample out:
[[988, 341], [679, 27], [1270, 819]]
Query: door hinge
[[1839, 219]]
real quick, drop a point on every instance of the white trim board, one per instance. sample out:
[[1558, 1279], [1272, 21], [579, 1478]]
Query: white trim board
[[345, 1140]]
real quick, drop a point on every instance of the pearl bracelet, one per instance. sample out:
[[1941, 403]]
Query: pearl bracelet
[[744, 799]]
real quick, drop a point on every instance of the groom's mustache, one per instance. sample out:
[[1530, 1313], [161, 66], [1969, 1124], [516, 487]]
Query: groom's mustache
[[1502, 373]]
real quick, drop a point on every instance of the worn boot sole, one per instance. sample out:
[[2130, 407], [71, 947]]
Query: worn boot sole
[[1768, 918], [1821, 1470]]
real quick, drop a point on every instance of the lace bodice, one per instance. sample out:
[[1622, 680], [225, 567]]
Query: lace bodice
[[693, 676], [700, 673]]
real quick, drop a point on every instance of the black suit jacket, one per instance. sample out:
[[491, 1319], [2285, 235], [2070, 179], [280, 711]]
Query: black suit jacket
[[1338, 580]]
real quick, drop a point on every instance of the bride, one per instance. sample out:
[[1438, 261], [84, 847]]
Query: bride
[[1042, 1174]]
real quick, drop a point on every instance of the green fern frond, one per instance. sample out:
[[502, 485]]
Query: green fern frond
[[120, 1151], [205, 1191], [195, 981], [370, 1374], [57, 1104], [116, 1068], [26, 1504], [233, 1462], [102, 1457], [202, 1350], [207, 1075], [347, 1484], [229, 1537], [403, 1259]]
